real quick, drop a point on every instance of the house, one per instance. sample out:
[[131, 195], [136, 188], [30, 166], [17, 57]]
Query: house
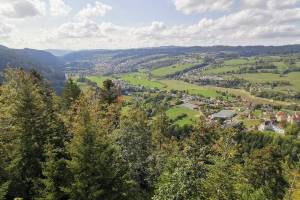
[[293, 119], [266, 126], [270, 126], [281, 117]]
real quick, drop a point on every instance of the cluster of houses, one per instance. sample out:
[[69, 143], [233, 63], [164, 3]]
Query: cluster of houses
[[280, 118], [292, 119]]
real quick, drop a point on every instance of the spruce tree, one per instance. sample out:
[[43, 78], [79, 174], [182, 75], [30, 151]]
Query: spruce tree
[[57, 176], [109, 92], [97, 174], [26, 113], [136, 147], [70, 94]]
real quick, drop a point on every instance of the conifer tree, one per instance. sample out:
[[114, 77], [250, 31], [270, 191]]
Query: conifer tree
[[109, 92], [26, 113], [136, 147], [70, 94], [160, 130], [56, 174], [97, 173]]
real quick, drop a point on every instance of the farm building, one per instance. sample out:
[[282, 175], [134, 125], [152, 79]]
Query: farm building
[[281, 117], [293, 119], [269, 126], [224, 115]]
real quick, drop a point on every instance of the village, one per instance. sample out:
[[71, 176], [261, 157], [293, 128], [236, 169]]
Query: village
[[228, 110]]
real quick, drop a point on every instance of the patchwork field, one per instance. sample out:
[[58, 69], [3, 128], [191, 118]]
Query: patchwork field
[[293, 78], [170, 70], [240, 61], [98, 79], [220, 70], [177, 111], [142, 80], [190, 88]]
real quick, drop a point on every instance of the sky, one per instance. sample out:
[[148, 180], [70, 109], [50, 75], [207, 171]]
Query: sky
[[120, 24]]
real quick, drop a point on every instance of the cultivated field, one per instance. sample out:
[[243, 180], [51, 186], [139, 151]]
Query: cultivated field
[[170, 70], [190, 118]]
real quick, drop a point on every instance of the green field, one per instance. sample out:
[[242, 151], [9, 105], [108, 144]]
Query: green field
[[83, 86], [141, 79], [249, 123], [98, 79], [240, 61], [293, 78], [190, 88], [170, 70], [220, 70], [280, 65], [176, 111]]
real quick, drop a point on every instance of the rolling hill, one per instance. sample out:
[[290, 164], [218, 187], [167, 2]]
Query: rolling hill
[[50, 66]]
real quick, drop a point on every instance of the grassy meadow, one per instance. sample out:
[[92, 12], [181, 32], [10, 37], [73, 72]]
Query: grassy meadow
[[141, 79], [191, 115], [170, 70]]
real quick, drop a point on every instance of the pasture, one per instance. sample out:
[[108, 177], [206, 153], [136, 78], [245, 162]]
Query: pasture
[[98, 79], [190, 118], [293, 78], [190, 88], [141, 79], [170, 70]]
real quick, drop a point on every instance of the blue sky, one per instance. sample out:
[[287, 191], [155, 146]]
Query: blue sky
[[90, 24]]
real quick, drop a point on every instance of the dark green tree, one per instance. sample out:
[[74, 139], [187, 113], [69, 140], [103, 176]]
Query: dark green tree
[[136, 147], [57, 176], [160, 130], [70, 94], [263, 170], [26, 112], [97, 172], [109, 92]]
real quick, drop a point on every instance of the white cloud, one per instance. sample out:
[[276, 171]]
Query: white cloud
[[84, 29], [200, 6], [269, 4], [5, 30], [90, 11], [59, 7], [253, 22], [22, 8]]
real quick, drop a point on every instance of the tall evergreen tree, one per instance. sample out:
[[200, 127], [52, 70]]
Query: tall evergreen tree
[[57, 176], [97, 172], [136, 147], [26, 112], [160, 130], [109, 92], [70, 94]]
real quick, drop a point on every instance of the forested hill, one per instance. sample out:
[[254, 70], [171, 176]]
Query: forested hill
[[116, 61], [128, 60], [44, 62], [174, 50]]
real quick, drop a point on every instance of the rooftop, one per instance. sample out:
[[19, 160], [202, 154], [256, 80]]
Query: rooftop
[[224, 114]]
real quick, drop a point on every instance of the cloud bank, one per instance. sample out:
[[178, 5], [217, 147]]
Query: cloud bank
[[244, 22]]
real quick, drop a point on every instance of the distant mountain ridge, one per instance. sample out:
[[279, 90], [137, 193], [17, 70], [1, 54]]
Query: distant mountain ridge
[[58, 52], [241, 50], [105, 61], [50, 66], [126, 60]]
